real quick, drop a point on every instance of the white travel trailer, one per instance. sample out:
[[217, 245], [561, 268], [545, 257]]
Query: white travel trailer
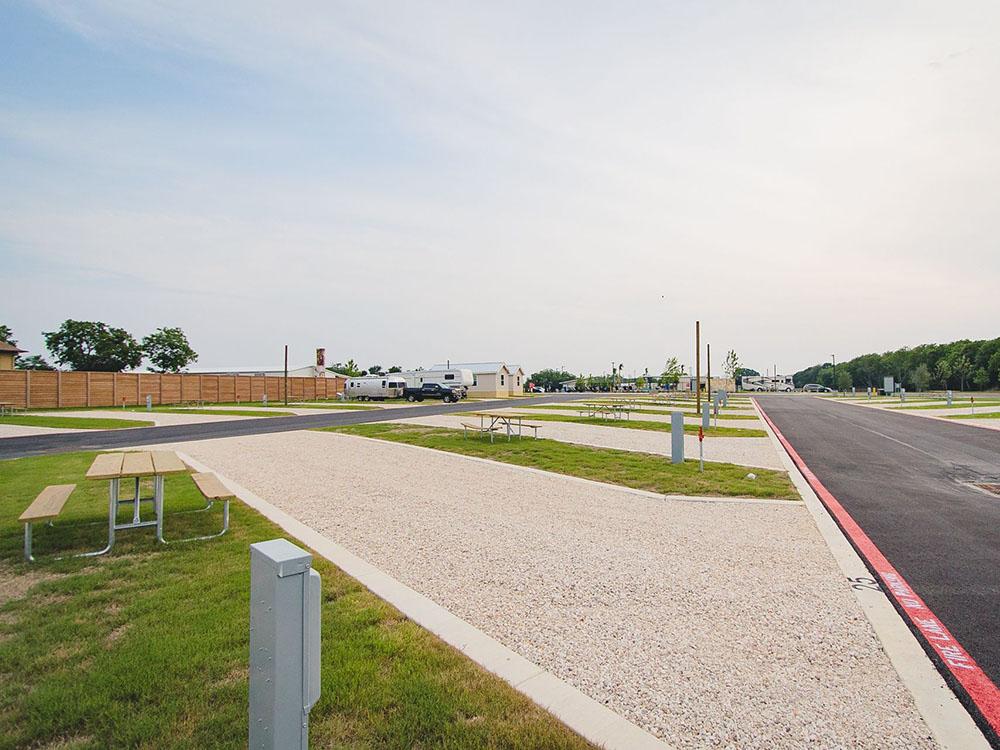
[[375, 387], [458, 378]]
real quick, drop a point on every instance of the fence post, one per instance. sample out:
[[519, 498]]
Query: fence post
[[676, 437], [114, 389], [58, 388], [88, 388], [285, 595], [27, 389]]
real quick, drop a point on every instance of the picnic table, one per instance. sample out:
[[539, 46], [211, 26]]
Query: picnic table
[[7, 407], [115, 467], [614, 411], [501, 421]]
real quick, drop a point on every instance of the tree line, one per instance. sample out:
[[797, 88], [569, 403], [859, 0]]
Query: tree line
[[959, 365], [96, 346]]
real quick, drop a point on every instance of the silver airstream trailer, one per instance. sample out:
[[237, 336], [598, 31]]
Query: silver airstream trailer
[[374, 387]]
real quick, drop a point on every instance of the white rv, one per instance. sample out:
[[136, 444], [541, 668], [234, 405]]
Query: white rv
[[375, 387], [458, 378], [767, 383]]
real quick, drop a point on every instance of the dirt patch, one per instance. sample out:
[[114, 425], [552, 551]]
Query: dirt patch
[[115, 634], [67, 743], [15, 585]]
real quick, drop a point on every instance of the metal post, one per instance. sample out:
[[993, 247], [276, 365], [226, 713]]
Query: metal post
[[949, 396], [705, 416], [708, 379], [286, 375], [902, 395], [697, 364], [701, 449], [677, 437], [285, 600]]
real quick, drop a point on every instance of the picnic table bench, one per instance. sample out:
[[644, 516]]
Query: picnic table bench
[[45, 507], [9, 407], [498, 422]]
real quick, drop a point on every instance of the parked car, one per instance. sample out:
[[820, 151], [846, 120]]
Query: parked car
[[432, 390], [816, 388]]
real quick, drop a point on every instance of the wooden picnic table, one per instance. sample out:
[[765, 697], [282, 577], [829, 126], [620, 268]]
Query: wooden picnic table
[[114, 467], [502, 420], [7, 406]]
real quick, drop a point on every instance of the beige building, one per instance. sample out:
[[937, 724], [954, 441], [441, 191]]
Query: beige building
[[517, 380], [8, 353], [489, 379]]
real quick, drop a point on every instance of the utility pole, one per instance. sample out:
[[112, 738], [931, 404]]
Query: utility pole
[[697, 364], [286, 374], [834, 357]]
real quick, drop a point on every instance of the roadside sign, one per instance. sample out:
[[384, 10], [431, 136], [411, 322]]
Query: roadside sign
[[701, 434]]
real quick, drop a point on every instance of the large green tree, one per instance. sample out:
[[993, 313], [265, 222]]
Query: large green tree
[[672, 371], [34, 362], [7, 335], [90, 345], [168, 350]]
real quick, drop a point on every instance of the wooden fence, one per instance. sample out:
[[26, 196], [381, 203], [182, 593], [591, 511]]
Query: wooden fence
[[43, 389]]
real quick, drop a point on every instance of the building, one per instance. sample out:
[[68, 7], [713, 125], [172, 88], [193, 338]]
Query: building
[[8, 354], [686, 383], [489, 379], [517, 380]]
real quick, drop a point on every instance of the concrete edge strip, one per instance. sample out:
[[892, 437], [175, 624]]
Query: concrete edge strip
[[594, 482], [950, 722], [590, 719]]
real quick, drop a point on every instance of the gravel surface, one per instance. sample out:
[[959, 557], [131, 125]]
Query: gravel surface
[[712, 625], [158, 418], [14, 430], [750, 424], [743, 451]]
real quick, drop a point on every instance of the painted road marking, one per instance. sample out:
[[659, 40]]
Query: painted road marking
[[983, 693]]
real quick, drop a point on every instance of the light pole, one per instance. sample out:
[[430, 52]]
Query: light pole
[[834, 357]]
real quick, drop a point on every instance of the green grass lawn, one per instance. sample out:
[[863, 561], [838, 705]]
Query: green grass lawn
[[639, 424], [234, 412], [644, 471], [955, 404], [76, 423], [977, 415], [687, 413], [147, 647]]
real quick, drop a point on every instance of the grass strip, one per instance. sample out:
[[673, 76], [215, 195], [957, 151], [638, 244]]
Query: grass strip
[[687, 413], [640, 424], [221, 412], [75, 423], [977, 415], [644, 471], [147, 646], [955, 405]]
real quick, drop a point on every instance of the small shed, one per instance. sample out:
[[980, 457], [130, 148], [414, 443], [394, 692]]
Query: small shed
[[489, 379]]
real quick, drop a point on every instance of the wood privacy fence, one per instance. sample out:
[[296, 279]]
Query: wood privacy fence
[[43, 389]]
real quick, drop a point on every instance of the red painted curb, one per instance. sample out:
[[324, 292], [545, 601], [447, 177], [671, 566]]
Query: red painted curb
[[981, 690]]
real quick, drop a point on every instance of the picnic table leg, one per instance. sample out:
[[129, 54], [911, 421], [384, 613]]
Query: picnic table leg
[[27, 542], [158, 507], [135, 511], [112, 517]]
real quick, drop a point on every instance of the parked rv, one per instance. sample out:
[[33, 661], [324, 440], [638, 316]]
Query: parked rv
[[375, 387], [767, 383]]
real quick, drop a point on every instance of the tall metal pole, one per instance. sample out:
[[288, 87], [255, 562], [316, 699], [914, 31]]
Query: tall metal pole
[[286, 374], [708, 382], [697, 365], [834, 356]]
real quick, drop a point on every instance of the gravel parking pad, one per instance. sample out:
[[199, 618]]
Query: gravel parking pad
[[710, 624], [742, 451]]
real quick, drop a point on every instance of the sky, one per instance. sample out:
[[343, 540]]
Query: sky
[[548, 184]]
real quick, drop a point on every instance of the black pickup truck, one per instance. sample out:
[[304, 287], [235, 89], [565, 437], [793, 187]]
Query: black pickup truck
[[431, 390]]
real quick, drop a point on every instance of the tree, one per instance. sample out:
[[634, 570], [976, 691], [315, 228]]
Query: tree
[[168, 350], [375, 370], [731, 364], [550, 379], [34, 362], [921, 377], [640, 383], [672, 371], [349, 368], [844, 381], [7, 335], [942, 371], [981, 378], [88, 345], [960, 367], [395, 368]]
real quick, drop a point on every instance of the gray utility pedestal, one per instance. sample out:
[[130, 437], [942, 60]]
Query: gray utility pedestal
[[677, 437], [285, 597], [949, 394], [705, 416]]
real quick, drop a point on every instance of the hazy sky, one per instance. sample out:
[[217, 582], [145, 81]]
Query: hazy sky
[[550, 184]]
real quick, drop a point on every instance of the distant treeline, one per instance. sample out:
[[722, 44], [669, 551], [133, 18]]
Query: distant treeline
[[959, 365]]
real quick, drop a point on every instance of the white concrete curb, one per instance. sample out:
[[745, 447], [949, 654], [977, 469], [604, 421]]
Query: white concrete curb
[[592, 720], [944, 714]]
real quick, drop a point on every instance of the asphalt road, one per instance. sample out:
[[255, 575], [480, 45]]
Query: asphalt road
[[902, 478], [32, 445]]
